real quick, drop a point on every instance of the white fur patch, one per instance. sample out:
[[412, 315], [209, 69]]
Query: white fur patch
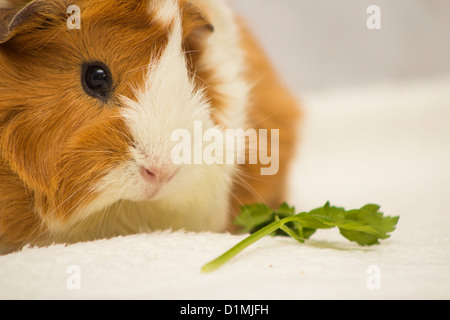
[[225, 56], [164, 10]]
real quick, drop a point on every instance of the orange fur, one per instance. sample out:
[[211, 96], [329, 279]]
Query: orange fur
[[56, 142]]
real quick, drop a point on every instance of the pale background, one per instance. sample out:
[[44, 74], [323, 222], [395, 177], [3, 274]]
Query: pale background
[[318, 44]]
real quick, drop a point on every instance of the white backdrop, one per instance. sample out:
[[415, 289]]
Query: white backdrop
[[318, 44]]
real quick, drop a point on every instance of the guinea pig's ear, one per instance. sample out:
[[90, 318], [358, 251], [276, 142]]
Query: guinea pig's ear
[[6, 16], [196, 25], [14, 15]]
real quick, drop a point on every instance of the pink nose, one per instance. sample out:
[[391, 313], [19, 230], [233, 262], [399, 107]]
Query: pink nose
[[155, 175], [149, 175]]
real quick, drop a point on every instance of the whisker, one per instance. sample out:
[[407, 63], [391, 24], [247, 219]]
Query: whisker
[[250, 188], [52, 36], [138, 69], [264, 119], [43, 220]]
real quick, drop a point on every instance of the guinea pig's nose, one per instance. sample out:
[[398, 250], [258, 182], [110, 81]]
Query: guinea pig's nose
[[155, 175], [149, 175]]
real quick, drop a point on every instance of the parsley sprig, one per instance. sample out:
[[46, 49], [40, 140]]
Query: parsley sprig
[[365, 226]]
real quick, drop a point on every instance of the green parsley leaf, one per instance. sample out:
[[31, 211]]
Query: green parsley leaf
[[369, 216], [253, 217]]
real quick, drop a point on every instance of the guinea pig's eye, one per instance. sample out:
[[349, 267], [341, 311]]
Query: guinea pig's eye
[[96, 80]]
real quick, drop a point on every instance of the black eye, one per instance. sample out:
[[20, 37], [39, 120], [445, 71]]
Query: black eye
[[96, 80]]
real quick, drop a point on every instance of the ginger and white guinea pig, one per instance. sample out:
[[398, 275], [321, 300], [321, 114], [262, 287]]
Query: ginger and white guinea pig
[[87, 116]]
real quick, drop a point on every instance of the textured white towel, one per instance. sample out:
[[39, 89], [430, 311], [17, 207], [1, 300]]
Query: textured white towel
[[387, 144]]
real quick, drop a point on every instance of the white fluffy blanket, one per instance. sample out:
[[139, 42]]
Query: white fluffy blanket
[[387, 144]]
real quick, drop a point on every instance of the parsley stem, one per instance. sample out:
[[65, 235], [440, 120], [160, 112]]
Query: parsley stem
[[224, 258], [292, 234]]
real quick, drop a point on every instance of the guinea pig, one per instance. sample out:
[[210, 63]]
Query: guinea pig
[[88, 114]]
